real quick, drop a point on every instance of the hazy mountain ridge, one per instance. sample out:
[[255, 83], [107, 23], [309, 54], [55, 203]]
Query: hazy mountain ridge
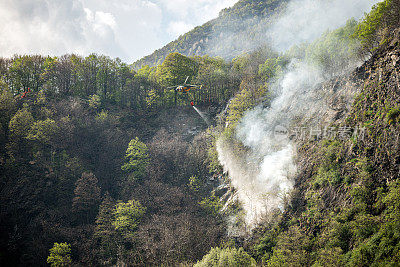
[[236, 30]]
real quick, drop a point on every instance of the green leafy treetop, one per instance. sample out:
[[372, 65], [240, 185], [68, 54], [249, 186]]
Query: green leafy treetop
[[137, 159], [19, 127], [376, 25], [226, 257], [20, 124], [175, 68], [127, 217], [60, 255], [43, 131]]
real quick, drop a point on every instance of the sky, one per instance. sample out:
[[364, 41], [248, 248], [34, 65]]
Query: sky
[[128, 29]]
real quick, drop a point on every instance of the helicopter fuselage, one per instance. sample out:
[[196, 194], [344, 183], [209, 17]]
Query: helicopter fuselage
[[184, 88]]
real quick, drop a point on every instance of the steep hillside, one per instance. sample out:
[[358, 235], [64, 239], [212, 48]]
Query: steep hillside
[[345, 208], [236, 30], [342, 133]]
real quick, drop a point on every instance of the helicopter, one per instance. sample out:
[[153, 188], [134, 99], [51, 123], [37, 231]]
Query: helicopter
[[185, 88]]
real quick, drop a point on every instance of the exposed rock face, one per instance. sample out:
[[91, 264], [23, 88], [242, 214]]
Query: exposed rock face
[[364, 99]]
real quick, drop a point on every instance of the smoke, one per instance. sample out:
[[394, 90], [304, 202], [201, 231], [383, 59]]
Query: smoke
[[238, 36], [281, 25], [263, 172], [306, 20]]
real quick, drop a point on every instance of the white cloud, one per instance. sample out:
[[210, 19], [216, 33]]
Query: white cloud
[[55, 27], [177, 28], [128, 29], [137, 25], [198, 11], [102, 23]]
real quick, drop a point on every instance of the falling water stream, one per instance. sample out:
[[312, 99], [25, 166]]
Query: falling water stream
[[202, 115]]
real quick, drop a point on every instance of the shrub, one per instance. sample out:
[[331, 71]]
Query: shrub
[[60, 255], [226, 257], [326, 177], [137, 159], [127, 217], [211, 204]]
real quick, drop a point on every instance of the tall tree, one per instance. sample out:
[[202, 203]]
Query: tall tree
[[136, 159], [174, 70], [60, 255], [7, 109], [19, 127], [127, 217], [105, 231]]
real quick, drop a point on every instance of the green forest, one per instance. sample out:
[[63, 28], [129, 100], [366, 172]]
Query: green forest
[[88, 158], [103, 163]]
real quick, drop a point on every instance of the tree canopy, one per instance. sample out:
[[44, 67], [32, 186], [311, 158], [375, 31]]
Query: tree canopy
[[60, 255], [137, 159]]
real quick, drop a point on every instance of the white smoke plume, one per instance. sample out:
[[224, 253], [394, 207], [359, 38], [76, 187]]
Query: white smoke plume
[[306, 20], [300, 21], [263, 176]]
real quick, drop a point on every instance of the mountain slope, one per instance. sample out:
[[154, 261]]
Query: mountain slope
[[236, 30], [344, 209]]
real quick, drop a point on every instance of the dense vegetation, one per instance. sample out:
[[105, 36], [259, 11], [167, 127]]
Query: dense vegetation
[[104, 165], [345, 207], [101, 158], [344, 210]]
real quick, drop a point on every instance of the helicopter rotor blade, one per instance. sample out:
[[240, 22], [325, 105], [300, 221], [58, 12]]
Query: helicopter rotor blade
[[195, 85], [186, 79]]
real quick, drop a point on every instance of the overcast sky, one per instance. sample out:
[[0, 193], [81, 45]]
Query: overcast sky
[[129, 29]]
